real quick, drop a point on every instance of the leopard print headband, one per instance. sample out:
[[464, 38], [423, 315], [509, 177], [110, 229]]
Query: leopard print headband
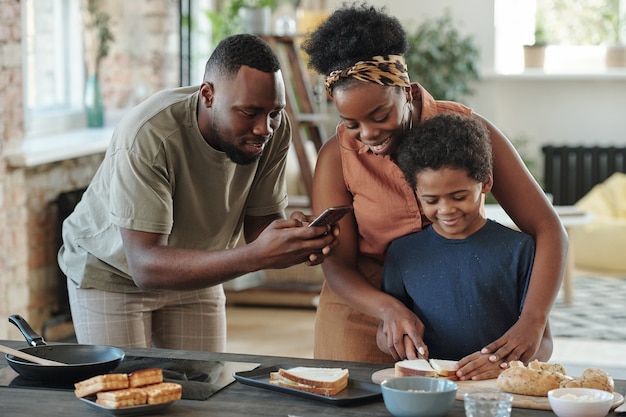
[[383, 70]]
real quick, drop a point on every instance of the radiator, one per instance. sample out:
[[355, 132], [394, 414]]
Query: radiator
[[571, 171]]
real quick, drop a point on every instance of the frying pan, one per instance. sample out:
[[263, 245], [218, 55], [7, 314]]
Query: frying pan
[[83, 361]]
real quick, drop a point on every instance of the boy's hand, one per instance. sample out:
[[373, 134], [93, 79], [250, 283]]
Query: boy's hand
[[520, 342], [477, 366]]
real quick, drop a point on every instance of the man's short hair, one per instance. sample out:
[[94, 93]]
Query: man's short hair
[[237, 50]]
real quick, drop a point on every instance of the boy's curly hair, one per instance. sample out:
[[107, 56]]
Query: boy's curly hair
[[447, 140], [354, 32]]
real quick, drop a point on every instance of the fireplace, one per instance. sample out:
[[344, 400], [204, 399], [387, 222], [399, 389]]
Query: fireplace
[[65, 205]]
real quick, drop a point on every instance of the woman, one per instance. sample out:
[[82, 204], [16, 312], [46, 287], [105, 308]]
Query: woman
[[359, 48]]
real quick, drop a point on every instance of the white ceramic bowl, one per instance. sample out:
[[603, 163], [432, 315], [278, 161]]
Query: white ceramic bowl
[[580, 402], [415, 396]]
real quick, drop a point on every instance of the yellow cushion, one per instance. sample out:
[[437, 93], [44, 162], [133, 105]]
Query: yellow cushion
[[607, 199], [599, 245]]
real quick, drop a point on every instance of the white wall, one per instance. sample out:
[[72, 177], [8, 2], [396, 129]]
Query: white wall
[[546, 109], [473, 17]]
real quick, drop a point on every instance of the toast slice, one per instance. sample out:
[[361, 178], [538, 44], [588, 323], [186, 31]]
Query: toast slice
[[323, 381], [121, 398], [143, 377], [107, 382], [163, 392]]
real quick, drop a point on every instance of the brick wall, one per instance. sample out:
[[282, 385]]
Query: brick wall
[[145, 55], [143, 60], [13, 256]]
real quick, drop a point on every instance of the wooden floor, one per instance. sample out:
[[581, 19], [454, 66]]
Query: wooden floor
[[273, 331]]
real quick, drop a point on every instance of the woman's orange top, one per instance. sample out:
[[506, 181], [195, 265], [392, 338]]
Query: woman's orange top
[[385, 206]]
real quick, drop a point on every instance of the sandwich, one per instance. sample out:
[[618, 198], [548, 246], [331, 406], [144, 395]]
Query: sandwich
[[435, 368], [127, 397], [140, 387], [163, 392], [143, 377], [98, 383], [323, 381]]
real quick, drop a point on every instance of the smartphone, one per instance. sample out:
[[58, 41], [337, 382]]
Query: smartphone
[[331, 216]]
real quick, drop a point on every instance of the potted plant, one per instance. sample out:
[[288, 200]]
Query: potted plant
[[242, 16], [615, 21], [442, 60], [534, 54]]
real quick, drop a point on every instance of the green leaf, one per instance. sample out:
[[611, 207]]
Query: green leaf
[[442, 60]]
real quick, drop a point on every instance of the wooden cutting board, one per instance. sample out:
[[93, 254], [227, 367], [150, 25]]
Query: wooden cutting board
[[519, 401]]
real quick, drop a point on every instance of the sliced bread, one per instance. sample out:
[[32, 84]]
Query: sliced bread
[[414, 367], [318, 377], [440, 368], [444, 367], [323, 381]]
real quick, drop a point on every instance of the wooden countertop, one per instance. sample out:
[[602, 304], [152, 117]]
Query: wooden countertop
[[236, 400]]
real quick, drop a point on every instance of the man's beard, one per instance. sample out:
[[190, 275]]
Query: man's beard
[[231, 150], [235, 155]]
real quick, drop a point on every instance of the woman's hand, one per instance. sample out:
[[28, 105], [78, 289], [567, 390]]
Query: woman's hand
[[402, 333]]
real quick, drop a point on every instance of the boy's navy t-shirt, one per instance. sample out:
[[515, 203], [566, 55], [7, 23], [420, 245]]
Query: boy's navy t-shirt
[[467, 292]]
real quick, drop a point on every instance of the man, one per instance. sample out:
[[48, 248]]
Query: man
[[187, 172]]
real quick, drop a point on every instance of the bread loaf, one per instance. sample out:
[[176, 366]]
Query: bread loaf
[[540, 377], [527, 381], [591, 378]]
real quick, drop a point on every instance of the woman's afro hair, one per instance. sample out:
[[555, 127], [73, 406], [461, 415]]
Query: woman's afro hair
[[354, 32]]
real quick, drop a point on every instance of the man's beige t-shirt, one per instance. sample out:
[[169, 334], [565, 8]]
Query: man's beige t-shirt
[[159, 175]]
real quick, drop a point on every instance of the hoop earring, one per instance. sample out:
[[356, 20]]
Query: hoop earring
[[341, 144], [406, 128]]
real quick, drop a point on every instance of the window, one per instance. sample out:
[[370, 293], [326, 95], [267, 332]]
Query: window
[[580, 23], [577, 32], [53, 66]]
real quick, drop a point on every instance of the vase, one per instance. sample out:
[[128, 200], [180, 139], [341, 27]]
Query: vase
[[615, 56], [534, 56], [93, 102]]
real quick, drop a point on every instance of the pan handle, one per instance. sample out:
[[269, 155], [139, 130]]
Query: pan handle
[[32, 337]]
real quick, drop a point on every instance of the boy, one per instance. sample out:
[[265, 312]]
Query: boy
[[464, 276]]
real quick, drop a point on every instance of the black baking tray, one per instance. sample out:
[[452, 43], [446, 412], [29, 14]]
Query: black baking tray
[[356, 391], [136, 410]]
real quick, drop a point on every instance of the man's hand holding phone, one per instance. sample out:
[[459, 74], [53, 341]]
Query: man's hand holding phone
[[326, 223], [330, 216]]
